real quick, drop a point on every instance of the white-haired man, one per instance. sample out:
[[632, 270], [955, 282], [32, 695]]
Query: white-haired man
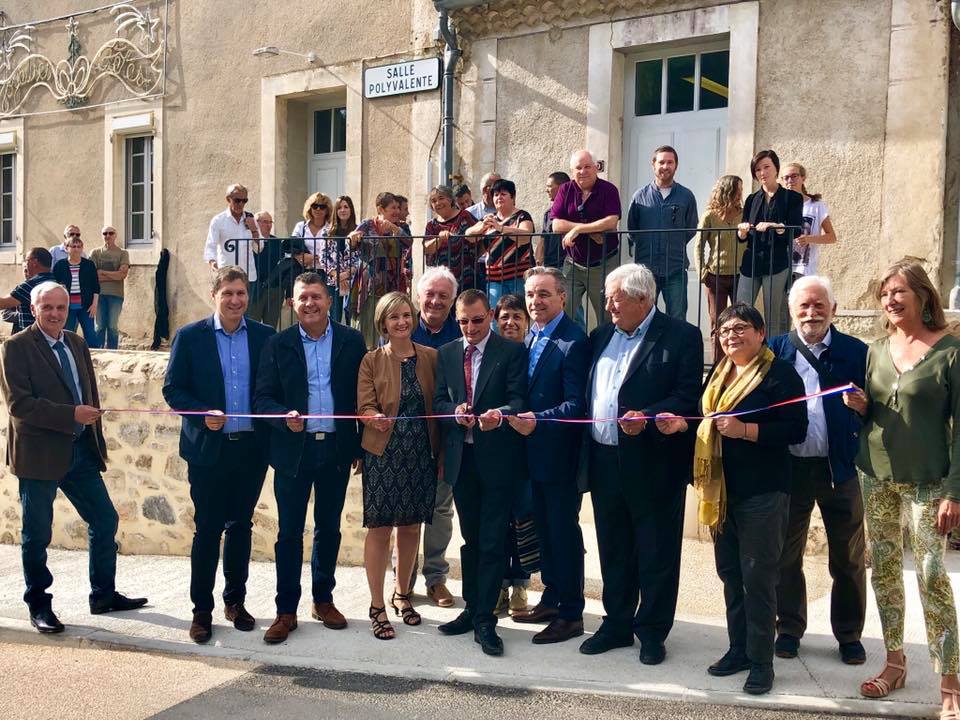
[[484, 206], [55, 441], [643, 363], [234, 223], [823, 473], [586, 211], [60, 252]]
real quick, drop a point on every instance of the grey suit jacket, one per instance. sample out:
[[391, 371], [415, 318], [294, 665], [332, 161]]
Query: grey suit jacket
[[40, 427]]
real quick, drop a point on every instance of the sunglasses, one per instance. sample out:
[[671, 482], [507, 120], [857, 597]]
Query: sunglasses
[[472, 321], [108, 232], [73, 234], [242, 201], [318, 206]]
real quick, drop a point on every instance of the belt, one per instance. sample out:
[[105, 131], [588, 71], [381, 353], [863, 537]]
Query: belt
[[238, 435], [318, 436]]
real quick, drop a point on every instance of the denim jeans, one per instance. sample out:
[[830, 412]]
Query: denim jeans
[[84, 488], [673, 287], [108, 321], [496, 289], [81, 316]]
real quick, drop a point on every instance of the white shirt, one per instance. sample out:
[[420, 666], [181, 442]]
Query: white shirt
[[815, 444], [807, 259], [475, 360], [225, 227]]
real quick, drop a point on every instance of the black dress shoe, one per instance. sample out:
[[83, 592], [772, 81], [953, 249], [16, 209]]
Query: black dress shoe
[[559, 630], [201, 629], [45, 621], [238, 615], [117, 603], [601, 642], [652, 653], [852, 653], [460, 625], [787, 646], [490, 642], [537, 614], [760, 679], [733, 662]]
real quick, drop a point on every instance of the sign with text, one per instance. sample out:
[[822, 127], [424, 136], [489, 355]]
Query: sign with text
[[399, 78]]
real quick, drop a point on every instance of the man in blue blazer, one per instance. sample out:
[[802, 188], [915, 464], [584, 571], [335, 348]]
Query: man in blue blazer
[[824, 473], [310, 368], [212, 367], [643, 363], [556, 381]]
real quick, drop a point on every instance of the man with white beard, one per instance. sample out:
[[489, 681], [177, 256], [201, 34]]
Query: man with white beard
[[823, 472]]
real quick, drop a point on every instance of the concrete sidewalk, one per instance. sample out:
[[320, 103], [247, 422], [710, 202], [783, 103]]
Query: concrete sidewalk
[[815, 681]]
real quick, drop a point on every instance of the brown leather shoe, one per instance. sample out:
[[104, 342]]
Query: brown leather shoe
[[238, 615], [537, 614], [558, 631], [285, 624], [201, 629], [439, 595], [328, 614]]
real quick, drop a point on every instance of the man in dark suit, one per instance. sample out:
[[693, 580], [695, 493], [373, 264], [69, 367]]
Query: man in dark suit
[[823, 472], [310, 368], [643, 363], [556, 375], [55, 440], [480, 378], [212, 367]]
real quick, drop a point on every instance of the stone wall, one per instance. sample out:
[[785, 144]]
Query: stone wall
[[146, 478]]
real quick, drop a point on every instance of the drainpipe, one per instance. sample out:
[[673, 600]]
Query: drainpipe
[[451, 55], [955, 292]]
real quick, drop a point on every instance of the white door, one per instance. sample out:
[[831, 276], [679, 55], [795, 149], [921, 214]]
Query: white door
[[328, 158], [678, 97]]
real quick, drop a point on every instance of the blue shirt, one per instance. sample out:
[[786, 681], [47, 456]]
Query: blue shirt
[[422, 335], [538, 342], [73, 361], [608, 377], [320, 394], [665, 253], [235, 365]]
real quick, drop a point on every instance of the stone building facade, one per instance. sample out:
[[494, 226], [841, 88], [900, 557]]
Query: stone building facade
[[159, 104]]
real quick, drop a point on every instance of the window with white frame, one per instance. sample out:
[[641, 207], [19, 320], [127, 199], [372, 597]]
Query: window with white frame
[[139, 190], [8, 184]]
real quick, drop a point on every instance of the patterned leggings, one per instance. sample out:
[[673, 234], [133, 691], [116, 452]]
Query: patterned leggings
[[886, 503]]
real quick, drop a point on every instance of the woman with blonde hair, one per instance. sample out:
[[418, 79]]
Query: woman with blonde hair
[[817, 228], [717, 249], [394, 393], [910, 464]]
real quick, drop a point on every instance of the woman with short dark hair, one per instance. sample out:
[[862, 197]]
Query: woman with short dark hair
[[742, 476]]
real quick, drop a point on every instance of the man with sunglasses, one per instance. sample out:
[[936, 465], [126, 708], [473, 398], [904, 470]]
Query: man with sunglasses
[[481, 378], [113, 264], [60, 252], [234, 223], [664, 204]]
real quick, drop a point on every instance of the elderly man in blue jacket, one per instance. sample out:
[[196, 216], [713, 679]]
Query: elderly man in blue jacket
[[823, 472]]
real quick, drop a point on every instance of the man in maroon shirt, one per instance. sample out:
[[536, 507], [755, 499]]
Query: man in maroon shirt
[[586, 210]]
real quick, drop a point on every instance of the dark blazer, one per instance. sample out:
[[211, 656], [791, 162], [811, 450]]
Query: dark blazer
[[194, 381], [501, 384], [282, 387], [557, 389], [754, 468], [41, 426], [89, 282], [769, 252], [664, 376], [846, 359]]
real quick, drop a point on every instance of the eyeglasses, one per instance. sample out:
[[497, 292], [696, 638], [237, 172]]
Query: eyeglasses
[[472, 321], [107, 232], [242, 201], [318, 206], [737, 330], [792, 176], [73, 234]]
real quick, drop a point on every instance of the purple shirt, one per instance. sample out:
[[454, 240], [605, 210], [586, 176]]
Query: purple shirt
[[604, 201]]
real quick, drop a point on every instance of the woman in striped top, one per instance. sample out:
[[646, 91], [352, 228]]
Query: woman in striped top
[[79, 276]]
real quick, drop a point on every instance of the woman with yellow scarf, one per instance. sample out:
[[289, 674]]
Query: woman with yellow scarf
[[742, 475]]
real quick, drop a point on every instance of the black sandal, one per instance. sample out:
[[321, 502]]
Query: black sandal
[[382, 629], [410, 616]]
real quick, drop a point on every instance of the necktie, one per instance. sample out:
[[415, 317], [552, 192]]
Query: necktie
[[534, 355], [468, 371], [68, 378]]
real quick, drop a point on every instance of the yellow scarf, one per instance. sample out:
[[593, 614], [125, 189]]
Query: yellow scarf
[[708, 477]]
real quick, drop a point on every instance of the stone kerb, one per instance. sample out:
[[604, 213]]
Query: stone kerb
[[146, 478]]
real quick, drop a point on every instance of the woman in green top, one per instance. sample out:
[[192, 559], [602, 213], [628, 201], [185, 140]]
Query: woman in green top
[[910, 458]]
